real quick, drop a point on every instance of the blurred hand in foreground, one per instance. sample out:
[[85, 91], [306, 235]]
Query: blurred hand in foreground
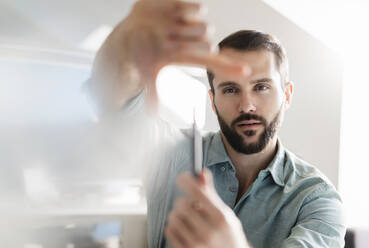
[[154, 34], [202, 219]]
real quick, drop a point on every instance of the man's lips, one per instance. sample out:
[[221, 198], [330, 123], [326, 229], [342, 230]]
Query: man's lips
[[249, 124]]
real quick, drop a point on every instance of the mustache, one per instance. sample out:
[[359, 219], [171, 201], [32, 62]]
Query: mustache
[[249, 117]]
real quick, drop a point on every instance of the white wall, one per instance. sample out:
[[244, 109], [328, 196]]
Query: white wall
[[312, 125]]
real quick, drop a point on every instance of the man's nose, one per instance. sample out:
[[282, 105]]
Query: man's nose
[[247, 104]]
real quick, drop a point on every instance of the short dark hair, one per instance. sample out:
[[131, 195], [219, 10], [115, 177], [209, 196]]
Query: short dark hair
[[251, 40]]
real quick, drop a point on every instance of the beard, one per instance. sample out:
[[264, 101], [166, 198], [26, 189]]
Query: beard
[[237, 141]]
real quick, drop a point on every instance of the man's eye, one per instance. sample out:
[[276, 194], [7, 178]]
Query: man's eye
[[230, 91], [261, 87]]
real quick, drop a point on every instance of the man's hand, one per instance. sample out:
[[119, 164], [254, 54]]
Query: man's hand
[[155, 33], [202, 219]]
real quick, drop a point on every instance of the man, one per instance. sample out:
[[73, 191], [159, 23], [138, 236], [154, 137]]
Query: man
[[253, 192], [281, 200]]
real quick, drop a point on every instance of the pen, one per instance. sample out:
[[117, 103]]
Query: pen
[[197, 147]]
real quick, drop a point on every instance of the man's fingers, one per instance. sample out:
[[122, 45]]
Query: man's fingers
[[173, 237], [176, 10], [193, 218], [189, 51], [186, 11], [193, 30], [181, 229], [222, 64]]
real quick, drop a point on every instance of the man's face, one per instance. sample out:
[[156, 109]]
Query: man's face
[[250, 110]]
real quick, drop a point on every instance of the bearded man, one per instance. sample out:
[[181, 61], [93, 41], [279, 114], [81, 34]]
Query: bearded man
[[253, 192]]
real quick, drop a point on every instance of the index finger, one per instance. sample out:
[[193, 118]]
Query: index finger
[[188, 10], [180, 9], [222, 64]]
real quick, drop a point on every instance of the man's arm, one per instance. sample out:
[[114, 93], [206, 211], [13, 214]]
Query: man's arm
[[320, 221], [155, 33]]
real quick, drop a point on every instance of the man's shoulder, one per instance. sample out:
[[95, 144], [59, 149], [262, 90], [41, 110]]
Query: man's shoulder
[[301, 167], [303, 176]]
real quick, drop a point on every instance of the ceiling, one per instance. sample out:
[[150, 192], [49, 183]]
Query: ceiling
[[56, 24], [64, 25], [333, 22]]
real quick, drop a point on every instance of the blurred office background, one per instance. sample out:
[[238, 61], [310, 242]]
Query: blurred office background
[[61, 171]]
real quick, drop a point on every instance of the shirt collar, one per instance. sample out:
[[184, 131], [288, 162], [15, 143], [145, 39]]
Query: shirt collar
[[217, 154], [276, 167]]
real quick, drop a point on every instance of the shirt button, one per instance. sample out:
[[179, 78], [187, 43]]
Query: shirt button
[[222, 168], [233, 188]]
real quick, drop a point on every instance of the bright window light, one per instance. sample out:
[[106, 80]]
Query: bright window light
[[182, 94], [354, 169]]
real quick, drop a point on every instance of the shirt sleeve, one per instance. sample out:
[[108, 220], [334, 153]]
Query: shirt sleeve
[[133, 107], [320, 221]]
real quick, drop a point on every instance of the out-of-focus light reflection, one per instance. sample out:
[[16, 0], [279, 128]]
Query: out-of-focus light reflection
[[182, 94]]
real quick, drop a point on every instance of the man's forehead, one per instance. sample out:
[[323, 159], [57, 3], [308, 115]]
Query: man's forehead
[[262, 63]]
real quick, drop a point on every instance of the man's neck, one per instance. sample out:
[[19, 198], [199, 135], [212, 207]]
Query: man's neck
[[248, 166]]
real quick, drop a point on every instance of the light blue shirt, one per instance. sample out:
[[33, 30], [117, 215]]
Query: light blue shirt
[[290, 204]]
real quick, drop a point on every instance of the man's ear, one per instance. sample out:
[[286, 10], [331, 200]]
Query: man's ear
[[288, 92], [211, 96]]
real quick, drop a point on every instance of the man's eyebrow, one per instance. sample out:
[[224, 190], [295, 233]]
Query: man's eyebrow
[[225, 84], [230, 83], [261, 80]]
